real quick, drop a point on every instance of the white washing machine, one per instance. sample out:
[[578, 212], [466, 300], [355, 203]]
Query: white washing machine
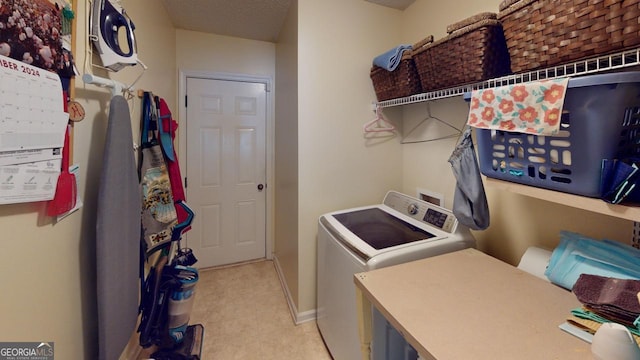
[[399, 230]]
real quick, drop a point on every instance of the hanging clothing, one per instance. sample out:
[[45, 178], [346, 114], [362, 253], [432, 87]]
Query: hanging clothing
[[158, 209], [117, 235], [168, 126], [469, 200]]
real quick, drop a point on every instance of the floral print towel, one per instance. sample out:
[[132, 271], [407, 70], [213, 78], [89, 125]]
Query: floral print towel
[[531, 108]]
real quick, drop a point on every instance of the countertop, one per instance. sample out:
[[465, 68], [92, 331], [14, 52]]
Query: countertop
[[469, 305]]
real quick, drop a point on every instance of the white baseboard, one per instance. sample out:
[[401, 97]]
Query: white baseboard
[[298, 318], [306, 316]]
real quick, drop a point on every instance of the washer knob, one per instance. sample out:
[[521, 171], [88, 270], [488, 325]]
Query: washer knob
[[412, 209]]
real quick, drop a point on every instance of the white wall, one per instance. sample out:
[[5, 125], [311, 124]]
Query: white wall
[[48, 271], [338, 168], [425, 163], [216, 53], [286, 153]]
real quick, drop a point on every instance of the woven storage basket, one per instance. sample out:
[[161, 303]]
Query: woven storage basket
[[543, 33], [475, 50], [401, 82]]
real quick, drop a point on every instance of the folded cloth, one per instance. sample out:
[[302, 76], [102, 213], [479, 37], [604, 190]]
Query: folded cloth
[[612, 298], [618, 180], [590, 316], [591, 326], [531, 108], [391, 59], [577, 254]]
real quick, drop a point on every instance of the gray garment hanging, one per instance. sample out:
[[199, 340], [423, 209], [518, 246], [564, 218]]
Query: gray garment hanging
[[117, 236], [469, 200]]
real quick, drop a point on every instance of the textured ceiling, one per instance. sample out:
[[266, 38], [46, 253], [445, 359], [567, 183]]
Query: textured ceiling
[[249, 19]]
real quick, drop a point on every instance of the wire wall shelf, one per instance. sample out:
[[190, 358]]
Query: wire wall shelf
[[583, 67]]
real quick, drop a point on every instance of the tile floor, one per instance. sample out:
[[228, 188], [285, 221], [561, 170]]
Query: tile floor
[[246, 316]]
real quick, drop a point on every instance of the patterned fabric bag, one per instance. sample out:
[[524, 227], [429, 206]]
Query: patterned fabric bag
[[158, 210]]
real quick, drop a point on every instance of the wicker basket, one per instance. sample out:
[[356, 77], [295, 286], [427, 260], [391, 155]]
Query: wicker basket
[[544, 33], [474, 51], [401, 82]]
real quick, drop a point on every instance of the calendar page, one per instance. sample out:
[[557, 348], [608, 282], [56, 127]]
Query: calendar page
[[31, 107], [32, 129]]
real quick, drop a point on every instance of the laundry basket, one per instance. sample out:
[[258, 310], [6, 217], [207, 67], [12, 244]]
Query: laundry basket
[[600, 120]]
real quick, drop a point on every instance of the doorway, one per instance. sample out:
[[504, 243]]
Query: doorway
[[224, 143]]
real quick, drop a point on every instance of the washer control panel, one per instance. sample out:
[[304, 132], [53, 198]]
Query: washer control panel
[[422, 211]]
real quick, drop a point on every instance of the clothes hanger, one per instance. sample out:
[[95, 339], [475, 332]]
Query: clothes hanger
[[457, 134], [374, 125]]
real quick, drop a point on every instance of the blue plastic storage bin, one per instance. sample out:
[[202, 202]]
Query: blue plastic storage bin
[[600, 120]]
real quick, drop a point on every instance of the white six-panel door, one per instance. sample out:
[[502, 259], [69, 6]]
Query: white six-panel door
[[226, 170]]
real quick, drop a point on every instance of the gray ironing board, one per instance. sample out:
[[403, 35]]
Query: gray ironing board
[[117, 236]]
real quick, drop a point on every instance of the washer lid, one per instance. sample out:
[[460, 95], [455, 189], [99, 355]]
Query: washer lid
[[380, 229]]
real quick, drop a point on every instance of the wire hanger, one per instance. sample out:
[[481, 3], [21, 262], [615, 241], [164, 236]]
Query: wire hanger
[[457, 133], [379, 123]]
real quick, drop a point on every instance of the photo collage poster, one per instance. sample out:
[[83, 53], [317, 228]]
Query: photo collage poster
[[38, 32]]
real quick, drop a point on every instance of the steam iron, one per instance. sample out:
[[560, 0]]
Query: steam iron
[[109, 24]]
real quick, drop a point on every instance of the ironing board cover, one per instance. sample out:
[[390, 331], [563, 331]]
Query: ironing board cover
[[117, 236]]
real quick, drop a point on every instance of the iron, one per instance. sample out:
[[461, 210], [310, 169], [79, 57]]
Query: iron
[[109, 21]]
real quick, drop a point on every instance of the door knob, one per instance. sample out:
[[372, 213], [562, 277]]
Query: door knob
[[260, 187]]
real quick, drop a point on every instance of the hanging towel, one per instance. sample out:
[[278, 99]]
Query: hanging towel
[[391, 59], [167, 122], [117, 235], [469, 200], [532, 108]]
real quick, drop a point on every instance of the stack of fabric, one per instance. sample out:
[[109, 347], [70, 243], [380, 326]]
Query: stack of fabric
[[605, 277], [577, 254], [604, 300]]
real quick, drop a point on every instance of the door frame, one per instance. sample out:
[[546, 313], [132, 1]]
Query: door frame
[[269, 133]]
